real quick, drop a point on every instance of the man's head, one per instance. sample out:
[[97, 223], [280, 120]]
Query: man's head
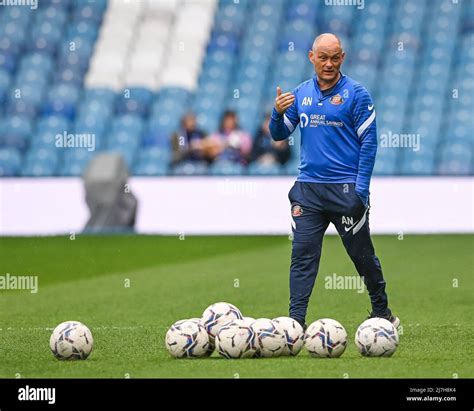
[[189, 122], [229, 121], [327, 57], [266, 123]]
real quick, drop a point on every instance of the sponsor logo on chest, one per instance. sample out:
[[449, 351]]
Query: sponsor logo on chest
[[326, 117], [315, 120]]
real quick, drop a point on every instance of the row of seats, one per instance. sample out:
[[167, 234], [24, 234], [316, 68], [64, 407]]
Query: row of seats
[[125, 72]]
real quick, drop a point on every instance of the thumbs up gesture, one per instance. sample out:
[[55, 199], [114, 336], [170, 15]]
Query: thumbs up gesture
[[283, 101]]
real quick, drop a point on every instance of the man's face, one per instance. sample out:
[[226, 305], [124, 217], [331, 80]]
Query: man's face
[[189, 122], [229, 123], [327, 60], [266, 124]]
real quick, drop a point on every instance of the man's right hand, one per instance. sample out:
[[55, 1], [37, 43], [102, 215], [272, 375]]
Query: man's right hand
[[283, 101]]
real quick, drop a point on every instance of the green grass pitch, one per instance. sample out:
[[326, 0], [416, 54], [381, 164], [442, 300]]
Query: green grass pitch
[[429, 283]]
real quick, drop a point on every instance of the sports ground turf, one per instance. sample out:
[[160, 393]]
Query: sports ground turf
[[430, 286]]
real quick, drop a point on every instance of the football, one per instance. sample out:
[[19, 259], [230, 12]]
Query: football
[[236, 340], [194, 320], [325, 338], [248, 321], [71, 340], [376, 337], [187, 339], [217, 315], [210, 347], [270, 340], [294, 334]]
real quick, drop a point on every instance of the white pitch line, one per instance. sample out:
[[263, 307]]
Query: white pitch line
[[106, 327], [136, 327]]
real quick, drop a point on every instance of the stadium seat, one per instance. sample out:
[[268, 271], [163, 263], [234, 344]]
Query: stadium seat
[[190, 168], [457, 158], [257, 169], [226, 168], [10, 162], [42, 162], [15, 132]]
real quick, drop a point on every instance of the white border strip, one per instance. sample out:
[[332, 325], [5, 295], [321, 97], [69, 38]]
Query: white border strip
[[233, 205]]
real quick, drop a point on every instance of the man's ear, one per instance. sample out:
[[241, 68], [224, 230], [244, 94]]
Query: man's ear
[[343, 56], [311, 56]]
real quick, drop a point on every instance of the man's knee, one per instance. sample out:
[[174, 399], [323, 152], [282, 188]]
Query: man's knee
[[306, 250], [366, 264], [359, 249]]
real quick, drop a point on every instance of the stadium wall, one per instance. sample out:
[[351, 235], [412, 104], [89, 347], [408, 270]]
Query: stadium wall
[[232, 205]]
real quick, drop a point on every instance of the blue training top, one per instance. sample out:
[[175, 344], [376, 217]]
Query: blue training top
[[338, 133]]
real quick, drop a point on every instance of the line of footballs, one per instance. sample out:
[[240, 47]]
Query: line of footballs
[[223, 328]]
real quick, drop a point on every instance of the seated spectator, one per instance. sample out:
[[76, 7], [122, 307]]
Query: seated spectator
[[266, 150], [230, 143], [187, 142]]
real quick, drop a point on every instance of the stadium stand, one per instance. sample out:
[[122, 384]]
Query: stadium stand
[[125, 72]]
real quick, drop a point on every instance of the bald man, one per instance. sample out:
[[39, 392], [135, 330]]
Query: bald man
[[336, 116]]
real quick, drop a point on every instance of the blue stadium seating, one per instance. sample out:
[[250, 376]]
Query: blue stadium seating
[[416, 57], [190, 169], [226, 168], [10, 162], [41, 162], [15, 132], [257, 169]]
